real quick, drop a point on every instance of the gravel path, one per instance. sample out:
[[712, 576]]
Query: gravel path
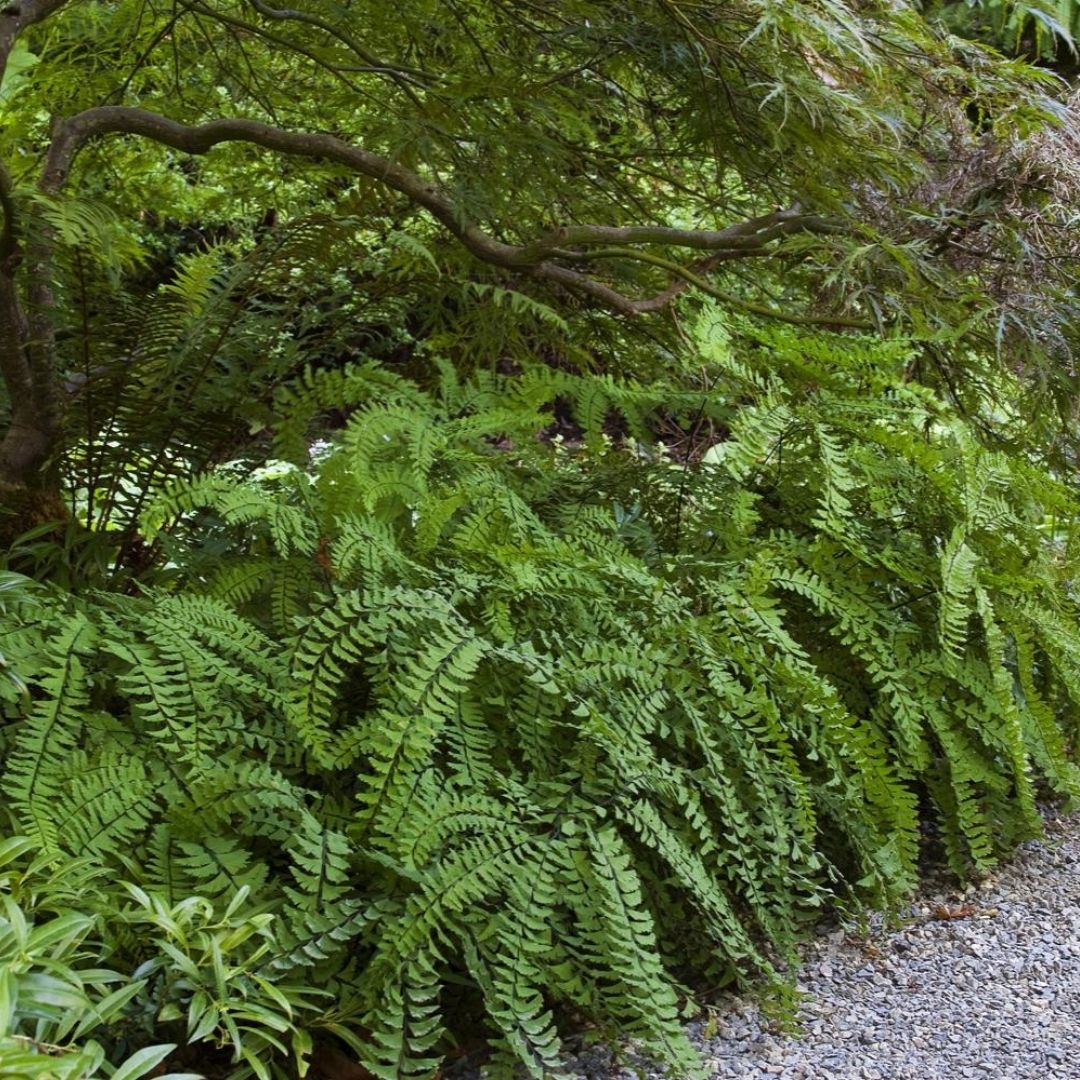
[[983, 984]]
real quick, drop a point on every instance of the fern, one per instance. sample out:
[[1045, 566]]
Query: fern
[[52, 730], [484, 720]]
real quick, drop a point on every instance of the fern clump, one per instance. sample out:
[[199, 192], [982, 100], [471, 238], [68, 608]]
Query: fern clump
[[488, 721]]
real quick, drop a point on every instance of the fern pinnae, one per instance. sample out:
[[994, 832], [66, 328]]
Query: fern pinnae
[[108, 801], [1010, 713], [329, 644], [50, 732], [647, 998], [401, 738], [1048, 743], [959, 565], [696, 879]]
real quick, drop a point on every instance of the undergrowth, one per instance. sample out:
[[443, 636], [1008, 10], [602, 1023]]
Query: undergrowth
[[461, 725]]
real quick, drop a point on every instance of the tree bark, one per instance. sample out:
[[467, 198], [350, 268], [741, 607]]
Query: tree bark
[[29, 479], [29, 446]]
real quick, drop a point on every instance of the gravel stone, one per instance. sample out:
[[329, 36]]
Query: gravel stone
[[984, 983]]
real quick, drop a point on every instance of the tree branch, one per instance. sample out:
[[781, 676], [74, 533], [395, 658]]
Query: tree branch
[[742, 236], [14, 368], [372, 62], [687, 277], [16, 17], [544, 258], [32, 11], [283, 43], [70, 135]]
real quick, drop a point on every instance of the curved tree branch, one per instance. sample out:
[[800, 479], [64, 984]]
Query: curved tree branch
[[750, 235], [686, 277], [70, 135], [16, 17], [544, 258]]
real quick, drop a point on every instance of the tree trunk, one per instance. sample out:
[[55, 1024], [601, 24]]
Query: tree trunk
[[29, 481], [29, 447]]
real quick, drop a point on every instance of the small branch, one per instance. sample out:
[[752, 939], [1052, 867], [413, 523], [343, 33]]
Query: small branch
[[282, 43], [689, 277], [48, 1048], [373, 63], [34, 11]]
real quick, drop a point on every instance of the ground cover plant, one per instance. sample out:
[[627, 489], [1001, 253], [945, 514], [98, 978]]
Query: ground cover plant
[[538, 721], [449, 600]]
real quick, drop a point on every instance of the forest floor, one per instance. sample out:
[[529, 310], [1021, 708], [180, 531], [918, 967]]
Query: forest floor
[[982, 983]]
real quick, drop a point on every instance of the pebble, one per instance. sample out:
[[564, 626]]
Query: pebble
[[992, 994]]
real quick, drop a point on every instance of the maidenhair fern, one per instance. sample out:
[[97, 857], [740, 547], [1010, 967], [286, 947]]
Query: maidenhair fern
[[489, 720]]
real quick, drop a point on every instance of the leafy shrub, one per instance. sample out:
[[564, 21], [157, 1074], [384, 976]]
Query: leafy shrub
[[474, 722], [51, 998], [89, 976]]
